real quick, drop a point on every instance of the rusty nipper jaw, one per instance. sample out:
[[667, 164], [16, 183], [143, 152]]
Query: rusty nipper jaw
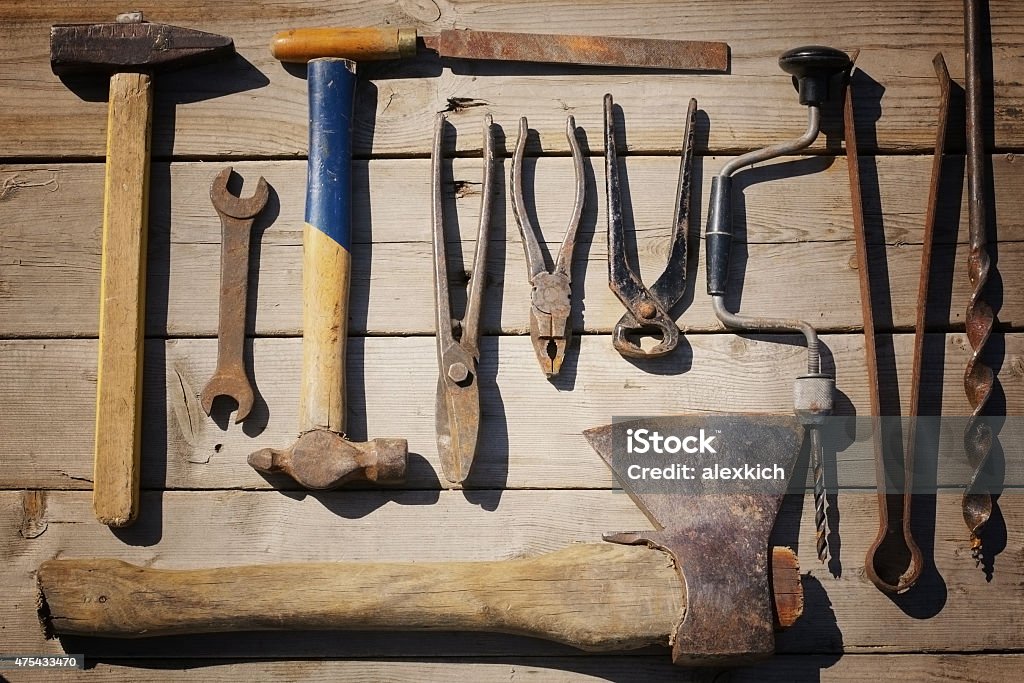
[[551, 307], [648, 311], [457, 411]]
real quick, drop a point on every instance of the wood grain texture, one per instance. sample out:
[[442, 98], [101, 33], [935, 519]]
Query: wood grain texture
[[654, 669], [326, 276], [531, 430], [796, 227], [198, 109], [122, 300], [797, 261], [181, 530], [595, 597]]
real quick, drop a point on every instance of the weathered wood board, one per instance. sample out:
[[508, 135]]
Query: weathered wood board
[[537, 486], [796, 227], [747, 108], [532, 428], [230, 528]]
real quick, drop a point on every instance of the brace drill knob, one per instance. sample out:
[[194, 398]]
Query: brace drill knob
[[813, 69]]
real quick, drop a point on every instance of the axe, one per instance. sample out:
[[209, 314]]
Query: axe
[[704, 582]]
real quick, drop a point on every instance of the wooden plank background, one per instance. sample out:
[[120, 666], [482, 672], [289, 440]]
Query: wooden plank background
[[536, 485]]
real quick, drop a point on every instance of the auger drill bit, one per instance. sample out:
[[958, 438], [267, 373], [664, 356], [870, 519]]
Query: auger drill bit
[[978, 377]]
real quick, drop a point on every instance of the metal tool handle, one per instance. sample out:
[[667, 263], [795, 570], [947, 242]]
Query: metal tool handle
[[671, 284], [234, 288], [622, 279], [325, 244], [478, 279], [531, 245]]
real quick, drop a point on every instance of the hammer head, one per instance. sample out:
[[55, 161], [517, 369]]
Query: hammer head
[[322, 459], [716, 529], [131, 44]]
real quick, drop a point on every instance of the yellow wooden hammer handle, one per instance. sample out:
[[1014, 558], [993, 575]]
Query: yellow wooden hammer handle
[[122, 300], [356, 44]]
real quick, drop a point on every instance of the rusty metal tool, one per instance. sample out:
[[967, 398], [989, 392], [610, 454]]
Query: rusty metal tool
[[979, 379], [648, 311], [129, 51], [704, 580], [237, 216], [895, 537], [813, 69], [323, 457], [300, 44], [551, 294], [457, 410]]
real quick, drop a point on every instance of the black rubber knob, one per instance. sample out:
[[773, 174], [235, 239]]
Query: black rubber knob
[[813, 67]]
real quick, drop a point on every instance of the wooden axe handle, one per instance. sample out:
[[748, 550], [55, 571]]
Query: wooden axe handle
[[357, 44], [592, 596], [122, 300]]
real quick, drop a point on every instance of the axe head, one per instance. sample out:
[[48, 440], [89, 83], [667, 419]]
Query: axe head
[[131, 44], [716, 530]]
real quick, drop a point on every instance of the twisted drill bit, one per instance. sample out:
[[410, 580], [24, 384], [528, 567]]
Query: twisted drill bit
[[820, 518], [978, 377]]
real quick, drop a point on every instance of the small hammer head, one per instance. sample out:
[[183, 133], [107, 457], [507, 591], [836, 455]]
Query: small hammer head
[[322, 459], [131, 44]]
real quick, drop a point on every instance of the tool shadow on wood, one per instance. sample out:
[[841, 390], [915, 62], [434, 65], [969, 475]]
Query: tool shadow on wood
[[289, 645], [357, 507], [818, 618], [225, 77], [494, 463], [745, 231], [159, 373]]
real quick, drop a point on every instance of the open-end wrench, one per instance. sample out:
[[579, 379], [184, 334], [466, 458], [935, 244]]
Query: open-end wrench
[[236, 219]]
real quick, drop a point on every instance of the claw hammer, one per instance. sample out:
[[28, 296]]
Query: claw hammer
[[131, 49], [322, 457]]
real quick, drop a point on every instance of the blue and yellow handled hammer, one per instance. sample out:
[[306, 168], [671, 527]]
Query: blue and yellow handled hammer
[[322, 457]]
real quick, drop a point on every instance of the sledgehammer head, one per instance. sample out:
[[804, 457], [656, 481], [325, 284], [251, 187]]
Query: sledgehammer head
[[322, 459], [716, 530], [131, 44]]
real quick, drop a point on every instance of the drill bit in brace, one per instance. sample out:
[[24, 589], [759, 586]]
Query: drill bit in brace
[[647, 310], [551, 307], [812, 69], [457, 410]]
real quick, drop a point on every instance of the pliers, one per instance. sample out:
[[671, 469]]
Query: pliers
[[457, 410], [647, 310], [551, 308]]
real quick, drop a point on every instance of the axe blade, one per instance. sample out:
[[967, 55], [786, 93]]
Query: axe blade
[[716, 531]]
